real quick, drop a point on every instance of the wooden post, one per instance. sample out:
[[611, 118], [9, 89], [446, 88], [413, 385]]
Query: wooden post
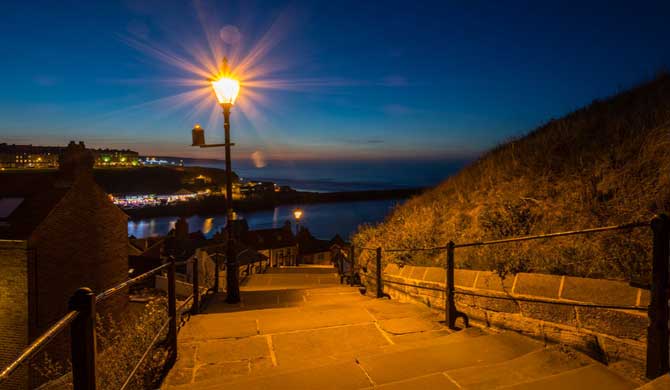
[[83, 340], [449, 305], [658, 332], [195, 309], [380, 287], [352, 263], [172, 312]]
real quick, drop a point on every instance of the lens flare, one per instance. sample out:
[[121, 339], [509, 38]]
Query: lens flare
[[189, 60], [226, 90]]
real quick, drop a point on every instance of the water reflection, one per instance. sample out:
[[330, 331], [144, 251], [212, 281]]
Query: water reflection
[[323, 220], [207, 225]]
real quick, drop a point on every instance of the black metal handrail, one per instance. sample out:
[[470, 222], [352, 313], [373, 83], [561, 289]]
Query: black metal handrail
[[658, 335], [523, 298], [81, 319], [145, 354], [39, 343], [625, 226], [119, 287], [630, 225]]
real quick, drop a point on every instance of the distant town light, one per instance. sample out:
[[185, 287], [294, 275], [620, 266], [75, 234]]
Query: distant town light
[[226, 90]]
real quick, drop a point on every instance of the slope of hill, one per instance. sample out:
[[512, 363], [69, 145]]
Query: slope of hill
[[605, 164]]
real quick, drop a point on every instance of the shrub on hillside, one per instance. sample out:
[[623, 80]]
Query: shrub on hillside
[[121, 345], [605, 164]]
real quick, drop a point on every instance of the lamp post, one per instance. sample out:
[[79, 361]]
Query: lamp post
[[297, 214], [226, 89]]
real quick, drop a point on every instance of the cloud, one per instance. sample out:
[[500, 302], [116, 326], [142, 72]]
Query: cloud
[[138, 28], [374, 141], [369, 141], [45, 81], [396, 52], [394, 81], [397, 109]]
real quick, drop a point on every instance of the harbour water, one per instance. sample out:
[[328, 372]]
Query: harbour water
[[324, 220], [335, 176]]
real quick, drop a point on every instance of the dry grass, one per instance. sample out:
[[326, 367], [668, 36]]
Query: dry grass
[[605, 164], [121, 345]]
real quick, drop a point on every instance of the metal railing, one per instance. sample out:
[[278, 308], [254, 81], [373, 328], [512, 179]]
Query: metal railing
[[82, 320], [658, 334]]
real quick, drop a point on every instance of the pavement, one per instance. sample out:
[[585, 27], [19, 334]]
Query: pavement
[[299, 328]]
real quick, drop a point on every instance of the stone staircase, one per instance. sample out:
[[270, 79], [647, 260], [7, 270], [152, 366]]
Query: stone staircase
[[300, 329]]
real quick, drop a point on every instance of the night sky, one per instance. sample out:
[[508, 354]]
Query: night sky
[[320, 80]]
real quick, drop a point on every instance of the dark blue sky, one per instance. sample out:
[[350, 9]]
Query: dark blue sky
[[327, 79]]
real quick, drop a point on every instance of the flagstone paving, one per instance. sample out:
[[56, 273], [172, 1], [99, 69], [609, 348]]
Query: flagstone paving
[[298, 328]]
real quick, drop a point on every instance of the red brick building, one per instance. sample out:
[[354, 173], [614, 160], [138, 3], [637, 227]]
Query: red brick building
[[58, 232]]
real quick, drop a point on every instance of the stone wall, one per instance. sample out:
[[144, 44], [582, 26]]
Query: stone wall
[[13, 307], [548, 307]]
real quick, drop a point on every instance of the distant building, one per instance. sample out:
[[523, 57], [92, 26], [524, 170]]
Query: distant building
[[312, 250], [58, 232], [116, 158], [258, 189], [184, 246], [278, 245], [30, 156]]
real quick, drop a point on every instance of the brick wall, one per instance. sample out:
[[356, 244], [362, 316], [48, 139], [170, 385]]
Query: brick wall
[[607, 334], [83, 242], [13, 307]]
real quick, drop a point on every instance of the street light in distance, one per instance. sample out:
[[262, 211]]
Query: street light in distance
[[297, 214]]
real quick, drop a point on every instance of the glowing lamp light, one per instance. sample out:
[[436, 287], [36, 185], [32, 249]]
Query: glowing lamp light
[[297, 213], [226, 90]]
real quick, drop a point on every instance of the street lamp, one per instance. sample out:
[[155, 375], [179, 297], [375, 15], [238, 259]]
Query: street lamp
[[226, 89], [297, 214]]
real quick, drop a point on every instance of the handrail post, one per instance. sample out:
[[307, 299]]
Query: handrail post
[[351, 265], [340, 268], [172, 312], [380, 287], [449, 304], [195, 309], [657, 332], [216, 273], [83, 340]]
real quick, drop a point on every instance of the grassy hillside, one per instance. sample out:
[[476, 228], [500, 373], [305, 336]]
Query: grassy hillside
[[607, 163]]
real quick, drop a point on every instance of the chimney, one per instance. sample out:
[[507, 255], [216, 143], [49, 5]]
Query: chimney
[[181, 229], [75, 161]]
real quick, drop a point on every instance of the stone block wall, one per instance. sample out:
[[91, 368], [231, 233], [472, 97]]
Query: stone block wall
[[605, 333]]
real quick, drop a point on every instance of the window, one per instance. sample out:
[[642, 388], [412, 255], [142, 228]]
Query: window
[[8, 205]]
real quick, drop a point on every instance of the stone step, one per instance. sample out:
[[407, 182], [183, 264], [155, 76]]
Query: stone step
[[426, 382], [427, 339], [529, 367], [660, 383], [593, 376], [361, 342], [329, 352], [341, 375], [417, 362]]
